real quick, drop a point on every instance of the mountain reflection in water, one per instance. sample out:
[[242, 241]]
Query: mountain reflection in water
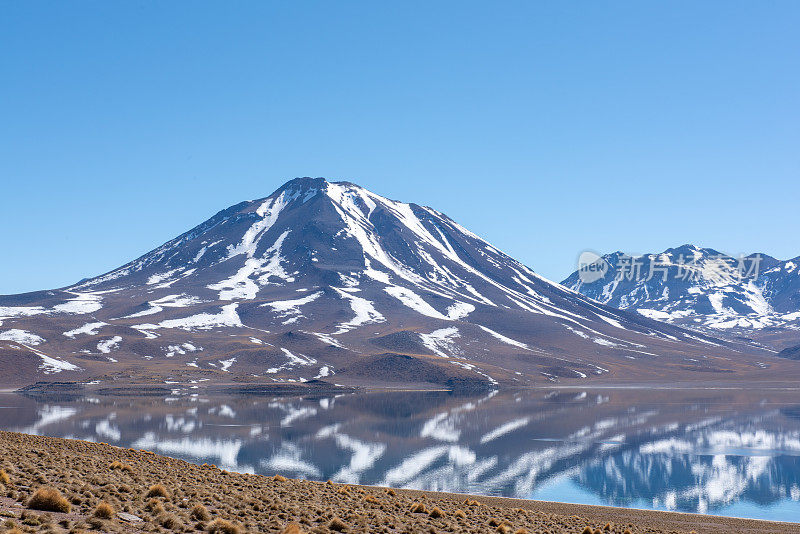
[[712, 451]]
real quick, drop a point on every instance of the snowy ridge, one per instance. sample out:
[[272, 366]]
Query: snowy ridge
[[700, 287]]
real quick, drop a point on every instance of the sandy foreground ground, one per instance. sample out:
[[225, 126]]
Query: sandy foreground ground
[[110, 489]]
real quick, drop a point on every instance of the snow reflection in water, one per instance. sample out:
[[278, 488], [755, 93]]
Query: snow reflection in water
[[723, 452]]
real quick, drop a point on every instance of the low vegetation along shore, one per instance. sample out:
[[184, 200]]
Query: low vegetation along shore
[[59, 485]]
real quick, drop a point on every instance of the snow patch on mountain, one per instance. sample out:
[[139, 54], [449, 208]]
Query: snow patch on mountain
[[414, 301], [169, 301], [364, 309], [293, 361], [90, 329], [83, 303], [48, 365], [21, 336], [290, 309], [442, 341], [328, 339], [8, 312], [160, 277], [107, 345], [375, 274], [227, 317], [183, 348], [603, 341], [504, 339], [225, 365], [459, 310], [241, 285], [268, 212], [51, 365]]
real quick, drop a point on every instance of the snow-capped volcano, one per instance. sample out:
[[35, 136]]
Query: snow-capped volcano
[[334, 234], [700, 287], [327, 280]]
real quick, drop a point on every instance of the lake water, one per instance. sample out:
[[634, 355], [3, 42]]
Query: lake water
[[726, 452]]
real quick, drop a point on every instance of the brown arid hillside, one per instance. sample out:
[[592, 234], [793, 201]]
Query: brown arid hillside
[[57, 485]]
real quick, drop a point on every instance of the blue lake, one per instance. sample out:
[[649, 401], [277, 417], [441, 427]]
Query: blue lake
[[718, 451]]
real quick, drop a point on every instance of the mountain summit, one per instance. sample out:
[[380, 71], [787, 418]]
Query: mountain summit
[[329, 281]]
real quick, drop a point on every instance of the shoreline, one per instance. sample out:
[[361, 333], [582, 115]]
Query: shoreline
[[84, 473], [154, 389], [658, 518]]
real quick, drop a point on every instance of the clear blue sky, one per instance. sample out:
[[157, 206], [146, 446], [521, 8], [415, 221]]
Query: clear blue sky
[[546, 127]]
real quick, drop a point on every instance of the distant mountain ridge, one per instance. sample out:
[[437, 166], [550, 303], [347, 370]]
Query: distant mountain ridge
[[329, 281], [700, 287]]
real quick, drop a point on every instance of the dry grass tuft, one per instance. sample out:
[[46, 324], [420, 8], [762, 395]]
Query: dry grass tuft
[[279, 478], [119, 465], [157, 491], [199, 513], [96, 523], [104, 511], [169, 521], [418, 508], [4, 478], [292, 528], [31, 520], [337, 524], [521, 531], [436, 513], [154, 507], [371, 499], [588, 530], [50, 500], [460, 514], [222, 526], [391, 492]]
